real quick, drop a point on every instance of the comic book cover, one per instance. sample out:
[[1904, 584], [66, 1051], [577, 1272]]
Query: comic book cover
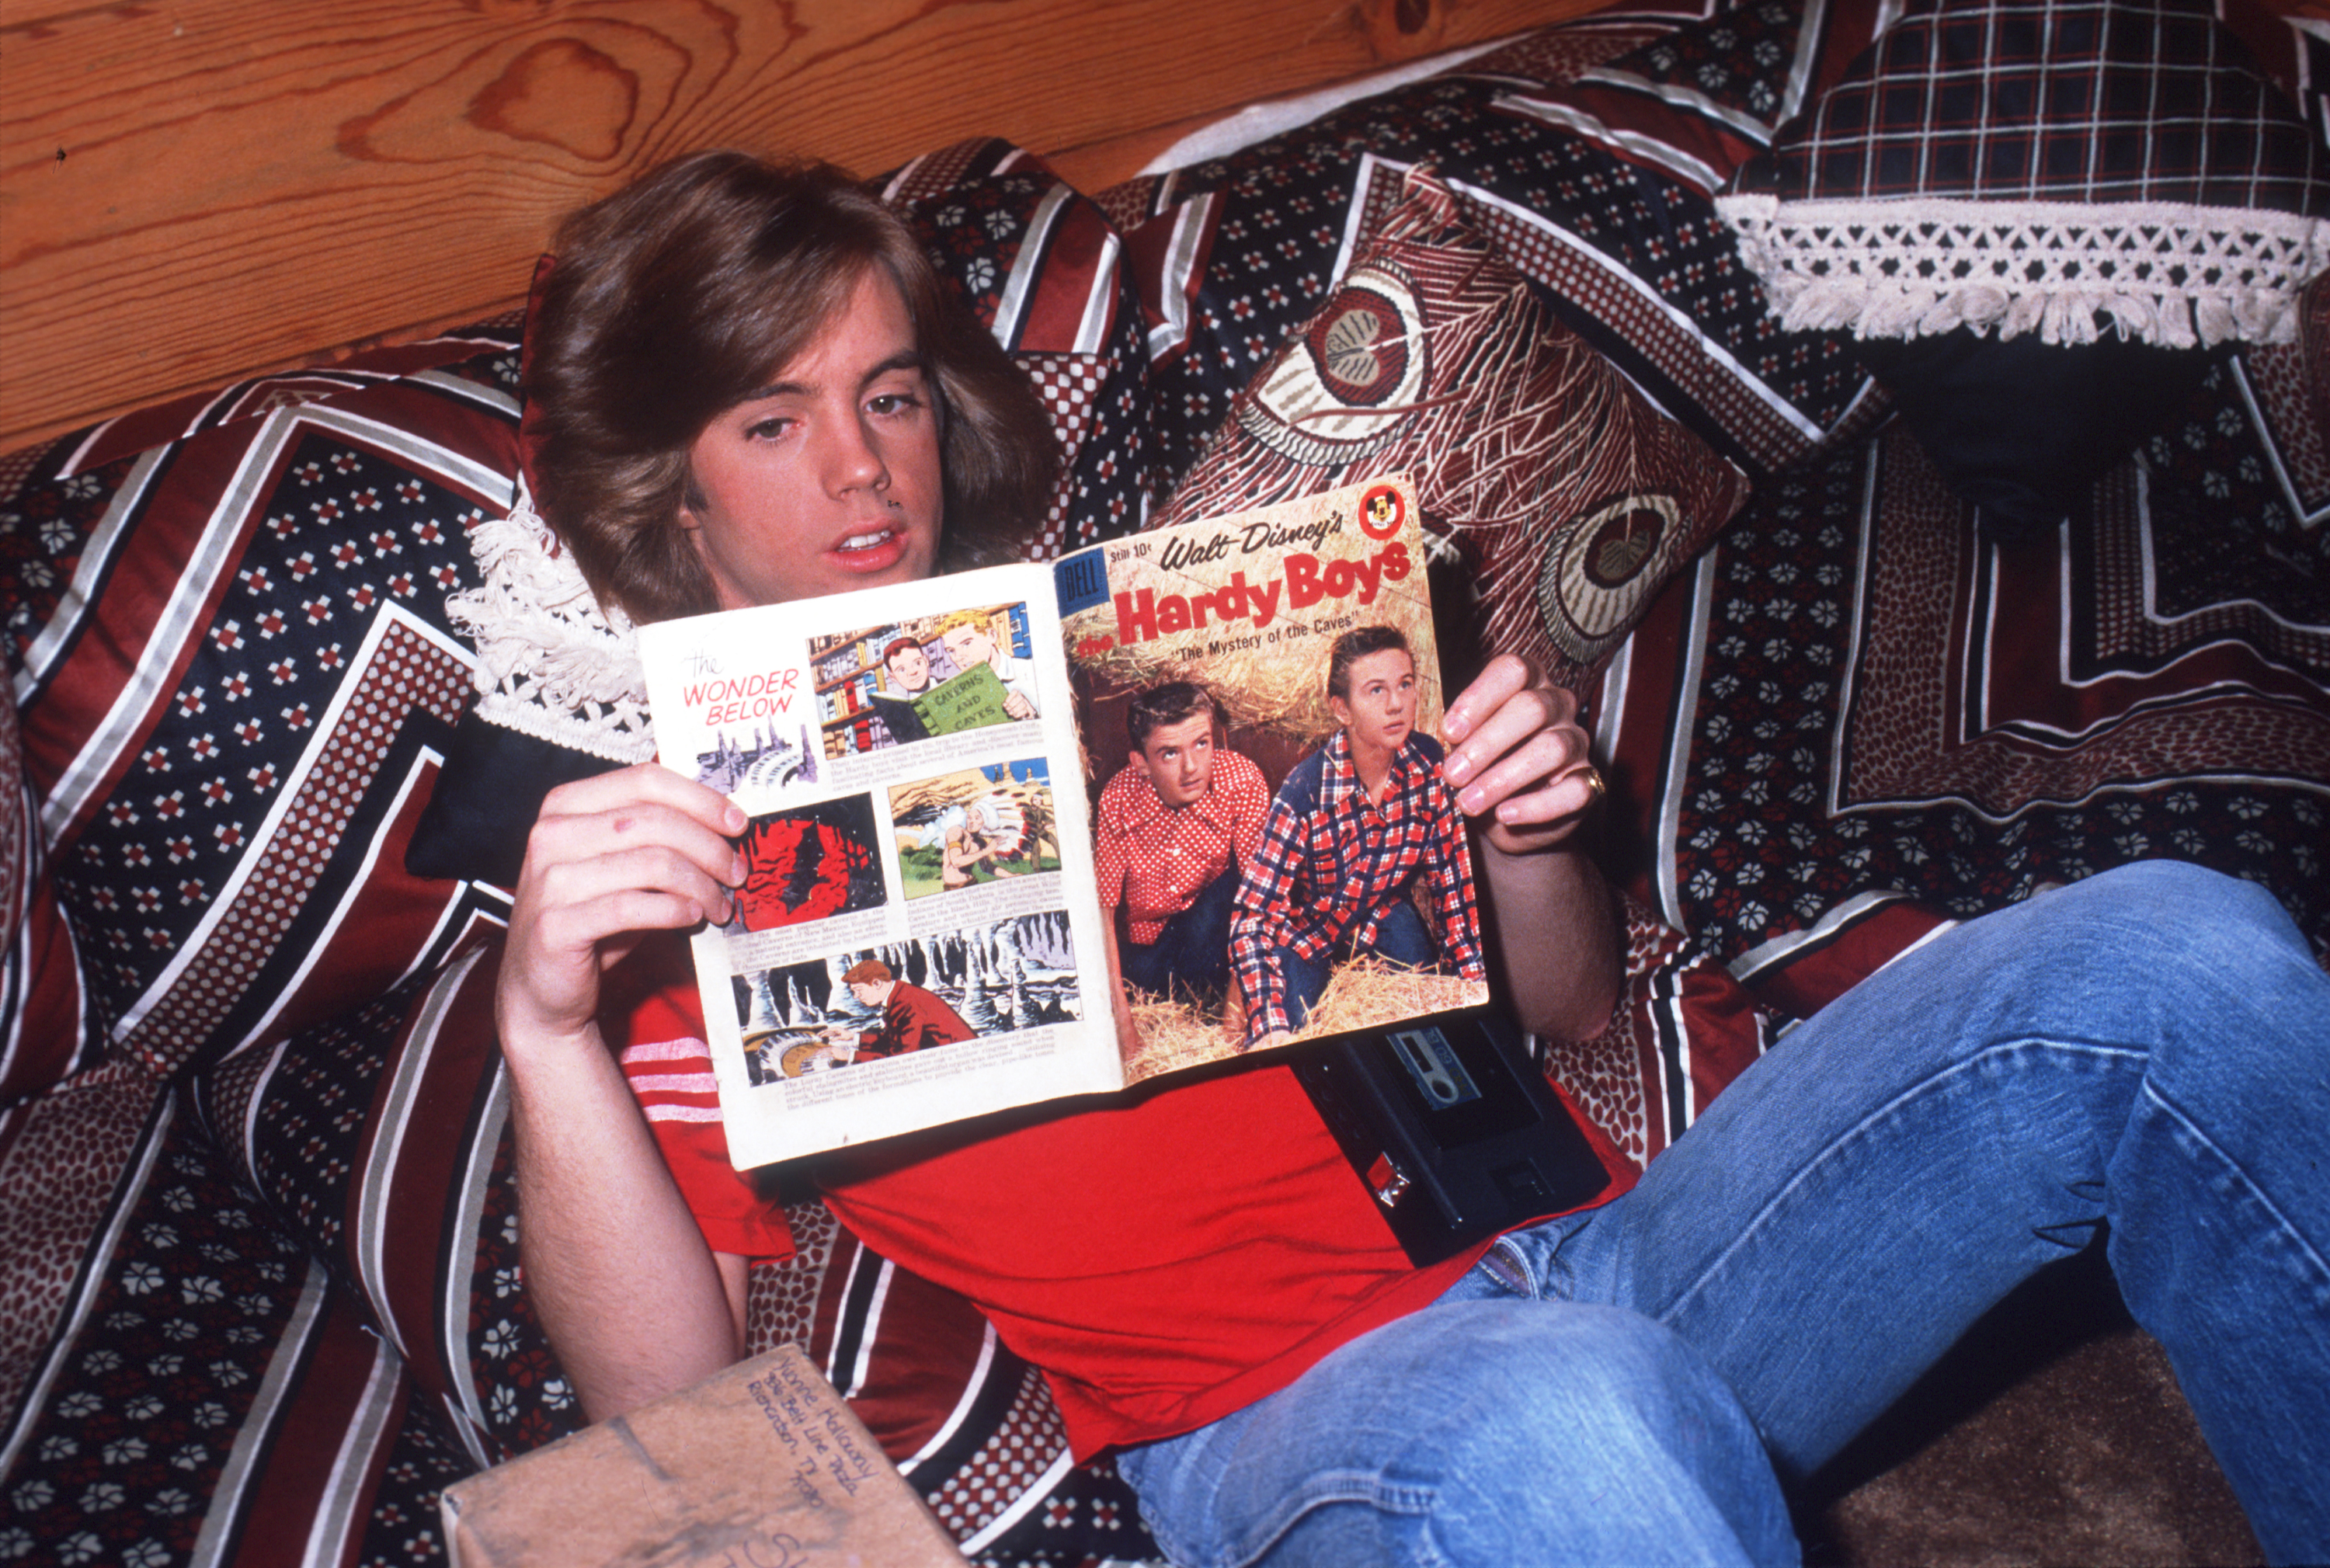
[[1275, 854]]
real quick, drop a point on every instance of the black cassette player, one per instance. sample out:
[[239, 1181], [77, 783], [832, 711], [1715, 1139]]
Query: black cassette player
[[1452, 1127]]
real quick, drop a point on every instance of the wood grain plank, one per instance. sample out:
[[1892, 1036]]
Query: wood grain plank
[[204, 189]]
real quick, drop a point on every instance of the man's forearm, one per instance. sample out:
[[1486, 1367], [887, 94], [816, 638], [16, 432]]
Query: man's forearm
[[632, 1297], [1558, 936]]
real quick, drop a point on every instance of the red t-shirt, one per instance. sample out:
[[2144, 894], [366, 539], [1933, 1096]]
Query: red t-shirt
[[1166, 1255]]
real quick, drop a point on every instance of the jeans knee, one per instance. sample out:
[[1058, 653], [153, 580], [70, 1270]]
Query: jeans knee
[[1488, 1432], [1577, 1385], [2145, 954], [2188, 908], [1604, 1429]]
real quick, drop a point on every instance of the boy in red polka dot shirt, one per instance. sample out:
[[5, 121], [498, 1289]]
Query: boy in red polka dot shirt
[[1177, 826]]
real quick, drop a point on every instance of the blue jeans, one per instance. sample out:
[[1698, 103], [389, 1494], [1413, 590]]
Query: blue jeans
[[2149, 1049], [1400, 939], [1194, 947]]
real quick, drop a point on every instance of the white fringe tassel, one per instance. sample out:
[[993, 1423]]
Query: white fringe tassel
[[551, 664], [2159, 273]]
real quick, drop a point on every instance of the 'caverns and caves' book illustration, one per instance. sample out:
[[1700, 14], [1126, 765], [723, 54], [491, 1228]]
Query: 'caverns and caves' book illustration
[[1034, 831], [923, 675]]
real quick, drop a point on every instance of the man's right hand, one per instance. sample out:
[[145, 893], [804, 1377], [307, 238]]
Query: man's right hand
[[611, 858]]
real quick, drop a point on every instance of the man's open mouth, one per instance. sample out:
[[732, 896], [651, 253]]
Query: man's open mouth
[[874, 550]]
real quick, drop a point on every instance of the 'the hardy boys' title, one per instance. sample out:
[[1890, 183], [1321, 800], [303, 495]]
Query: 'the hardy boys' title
[[1303, 580]]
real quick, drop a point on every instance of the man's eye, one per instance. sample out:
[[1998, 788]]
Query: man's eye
[[894, 403], [766, 430]]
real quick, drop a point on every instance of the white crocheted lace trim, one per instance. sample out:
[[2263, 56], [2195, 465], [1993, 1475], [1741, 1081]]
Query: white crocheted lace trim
[[2160, 272], [551, 663]]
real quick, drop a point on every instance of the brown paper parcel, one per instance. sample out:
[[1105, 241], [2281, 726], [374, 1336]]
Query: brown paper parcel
[[760, 1467]]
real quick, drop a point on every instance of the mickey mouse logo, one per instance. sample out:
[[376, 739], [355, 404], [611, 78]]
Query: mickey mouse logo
[[1382, 510]]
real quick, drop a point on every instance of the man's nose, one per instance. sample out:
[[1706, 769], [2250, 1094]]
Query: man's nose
[[851, 460]]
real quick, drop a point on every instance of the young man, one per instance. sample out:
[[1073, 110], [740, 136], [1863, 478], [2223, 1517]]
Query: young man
[[970, 641], [1176, 827], [1207, 1288]]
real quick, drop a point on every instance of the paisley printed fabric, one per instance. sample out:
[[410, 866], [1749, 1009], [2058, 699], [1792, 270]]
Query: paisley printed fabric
[[1566, 498]]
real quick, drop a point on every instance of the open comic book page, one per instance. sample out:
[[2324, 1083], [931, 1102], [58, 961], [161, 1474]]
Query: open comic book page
[[1273, 859], [911, 945]]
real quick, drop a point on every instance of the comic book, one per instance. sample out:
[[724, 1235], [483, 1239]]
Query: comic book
[[1042, 830]]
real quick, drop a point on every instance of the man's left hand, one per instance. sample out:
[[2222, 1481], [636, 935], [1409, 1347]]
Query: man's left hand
[[1517, 755]]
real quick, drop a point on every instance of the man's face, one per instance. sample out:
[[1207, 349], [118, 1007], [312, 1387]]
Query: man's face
[[911, 669], [828, 478], [869, 993], [1380, 710], [968, 646], [1180, 760]]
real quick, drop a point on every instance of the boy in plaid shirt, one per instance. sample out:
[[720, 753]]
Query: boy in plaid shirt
[[1357, 824]]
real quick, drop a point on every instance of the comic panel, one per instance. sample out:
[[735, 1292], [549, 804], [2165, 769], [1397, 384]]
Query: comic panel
[[758, 755], [974, 826], [808, 864], [922, 678], [894, 998]]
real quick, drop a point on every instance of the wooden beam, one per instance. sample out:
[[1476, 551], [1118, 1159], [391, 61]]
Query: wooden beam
[[206, 189]]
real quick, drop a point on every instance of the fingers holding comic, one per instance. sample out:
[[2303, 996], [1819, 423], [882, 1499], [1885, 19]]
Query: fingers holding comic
[[1516, 751], [610, 859]]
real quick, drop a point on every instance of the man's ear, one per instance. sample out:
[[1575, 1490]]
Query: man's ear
[[691, 503], [1141, 760]]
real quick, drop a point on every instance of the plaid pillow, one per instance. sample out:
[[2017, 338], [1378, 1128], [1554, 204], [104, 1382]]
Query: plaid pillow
[[2029, 165], [2036, 217], [1568, 498]]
